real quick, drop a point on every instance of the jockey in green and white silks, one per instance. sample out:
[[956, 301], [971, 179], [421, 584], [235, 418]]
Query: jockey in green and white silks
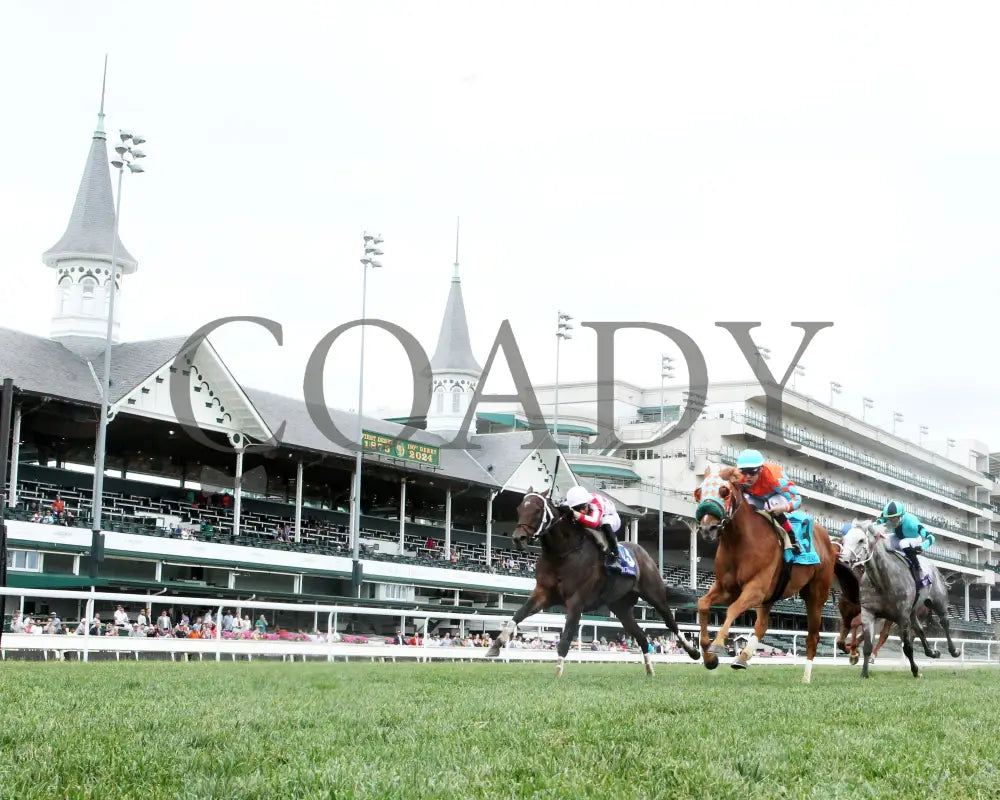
[[910, 535]]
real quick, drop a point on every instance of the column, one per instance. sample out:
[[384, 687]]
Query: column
[[15, 457], [298, 501], [447, 520], [402, 515], [989, 599], [694, 556], [489, 528], [966, 601], [237, 492], [635, 530], [351, 533]]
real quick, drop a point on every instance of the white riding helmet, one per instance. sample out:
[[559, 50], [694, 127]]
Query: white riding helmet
[[577, 496]]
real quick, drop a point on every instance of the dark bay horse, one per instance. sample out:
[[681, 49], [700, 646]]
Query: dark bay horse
[[570, 572], [748, 569]]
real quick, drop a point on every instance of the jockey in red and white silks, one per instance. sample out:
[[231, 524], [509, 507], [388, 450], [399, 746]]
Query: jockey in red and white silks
[[598, 513]]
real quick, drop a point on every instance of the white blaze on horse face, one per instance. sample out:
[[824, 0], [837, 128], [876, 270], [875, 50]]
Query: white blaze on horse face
[[855, 547]]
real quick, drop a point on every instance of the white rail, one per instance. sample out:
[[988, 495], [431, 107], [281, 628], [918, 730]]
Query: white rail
[[85, 644]]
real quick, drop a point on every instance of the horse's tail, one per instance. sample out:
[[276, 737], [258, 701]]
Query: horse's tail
[[849, 586]]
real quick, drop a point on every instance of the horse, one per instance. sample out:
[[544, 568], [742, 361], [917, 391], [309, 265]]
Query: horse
[[889, 592], [855, 628], [570, 572], [750, 571]]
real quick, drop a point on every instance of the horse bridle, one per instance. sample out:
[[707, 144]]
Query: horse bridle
[[728, 511], [548, 517], [879, 535]]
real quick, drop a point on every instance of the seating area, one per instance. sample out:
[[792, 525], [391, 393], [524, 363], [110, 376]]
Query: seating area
[[154, 510]]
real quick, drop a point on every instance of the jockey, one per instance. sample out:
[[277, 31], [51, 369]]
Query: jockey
[[911, 536], [767, 487], [598, 513]]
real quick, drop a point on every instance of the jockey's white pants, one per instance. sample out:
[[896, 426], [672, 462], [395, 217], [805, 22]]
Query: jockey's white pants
[[915, 543], [611, 518]]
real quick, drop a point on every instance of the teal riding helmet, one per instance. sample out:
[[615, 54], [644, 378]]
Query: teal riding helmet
[[893, 509], [750, 459]]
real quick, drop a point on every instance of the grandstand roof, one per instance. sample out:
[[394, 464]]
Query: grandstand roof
[[92, 221], [49, 367], [454, 348]]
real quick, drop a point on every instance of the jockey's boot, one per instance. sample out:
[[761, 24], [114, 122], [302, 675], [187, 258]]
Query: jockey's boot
[[786, 526], [911, 558], [611, 560]]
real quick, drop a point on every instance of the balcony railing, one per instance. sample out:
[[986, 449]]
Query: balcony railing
[[869, 499], [760, 422]]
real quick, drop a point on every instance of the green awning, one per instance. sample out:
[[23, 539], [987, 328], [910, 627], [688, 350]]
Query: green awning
[[656, 410], [40, 580], [513, 421], [602, 471]]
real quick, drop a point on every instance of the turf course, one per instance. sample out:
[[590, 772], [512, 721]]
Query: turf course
[[225, 730]]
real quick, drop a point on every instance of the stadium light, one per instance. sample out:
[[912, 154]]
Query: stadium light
[[924, 430], [798, 372], [950, 444], [666, 371], [127, 156], [563, 328], [370, 251], [896, 417], [834, 389], [866, 404]]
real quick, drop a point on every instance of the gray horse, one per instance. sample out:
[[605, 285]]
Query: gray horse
[[888, 590]]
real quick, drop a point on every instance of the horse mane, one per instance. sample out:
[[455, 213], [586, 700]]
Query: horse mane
[[729, 473]]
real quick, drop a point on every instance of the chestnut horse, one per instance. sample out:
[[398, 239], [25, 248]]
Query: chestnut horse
[[570, 572], [749, 569]]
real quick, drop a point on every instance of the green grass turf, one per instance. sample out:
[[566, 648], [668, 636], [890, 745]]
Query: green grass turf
[[276, 731]]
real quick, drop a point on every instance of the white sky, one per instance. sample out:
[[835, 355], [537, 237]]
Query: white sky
[[679, 163]]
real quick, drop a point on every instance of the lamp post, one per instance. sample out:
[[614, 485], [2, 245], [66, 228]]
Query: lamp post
[[763, 354], [896, 417], [128, 155], [690, 396], [798, 372], [368, 259], [563, 328], [950, 444], [924, 430], [834, 389], [866, 404], [666, 371]]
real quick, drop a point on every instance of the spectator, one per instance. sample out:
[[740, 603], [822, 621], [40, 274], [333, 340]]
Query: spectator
[[261, 625], [163, 624]]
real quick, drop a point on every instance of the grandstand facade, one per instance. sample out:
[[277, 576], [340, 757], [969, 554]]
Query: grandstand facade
[[253, 502]]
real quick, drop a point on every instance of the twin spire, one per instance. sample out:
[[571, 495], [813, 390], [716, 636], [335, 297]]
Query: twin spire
[[454, 348]]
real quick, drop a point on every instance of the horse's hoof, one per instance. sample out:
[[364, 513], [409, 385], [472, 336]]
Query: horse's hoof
[[491, 653], [718, 650], [711, 661], [737, 664], [934, 654], [854, 660], [955, 653], [695, 655]]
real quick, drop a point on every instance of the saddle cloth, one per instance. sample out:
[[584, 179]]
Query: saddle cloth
[[802, 528], [628, 567]]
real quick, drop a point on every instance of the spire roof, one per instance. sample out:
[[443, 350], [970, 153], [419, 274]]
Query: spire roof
[[92, 223], [454, 349]]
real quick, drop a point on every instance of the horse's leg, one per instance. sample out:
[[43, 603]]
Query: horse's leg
[[867, 628], [753, 594], [535, 603], [570, 629], [624, 610], [883, 638], [816, 594], [855, 636], [714, 595], [656, 596], [907, 636], [941, 610], [916, 626], [759, 629]]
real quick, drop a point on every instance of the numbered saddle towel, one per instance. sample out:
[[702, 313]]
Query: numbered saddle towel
[[628, 564], [802, 525]]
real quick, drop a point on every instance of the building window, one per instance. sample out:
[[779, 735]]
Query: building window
[[89, 286], [439, 400], [25, 560], [456, 400]]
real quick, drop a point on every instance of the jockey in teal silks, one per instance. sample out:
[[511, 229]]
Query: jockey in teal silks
[[910, 537], [767, 488]]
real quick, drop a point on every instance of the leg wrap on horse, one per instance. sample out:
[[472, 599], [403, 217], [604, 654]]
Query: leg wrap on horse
[[507, 630]]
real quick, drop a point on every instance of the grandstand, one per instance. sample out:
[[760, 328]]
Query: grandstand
[[254, 502]]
